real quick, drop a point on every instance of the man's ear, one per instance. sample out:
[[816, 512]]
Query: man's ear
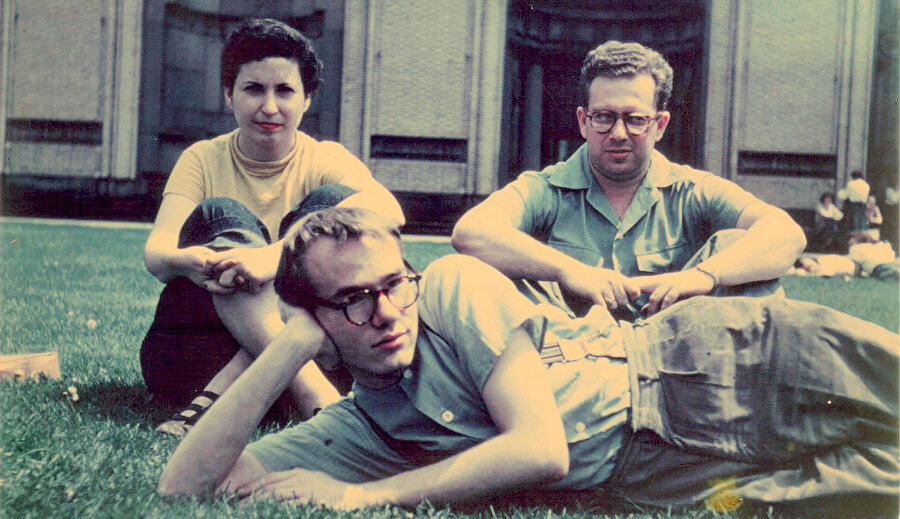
[[229, 98], [662, 122], [581, 115]]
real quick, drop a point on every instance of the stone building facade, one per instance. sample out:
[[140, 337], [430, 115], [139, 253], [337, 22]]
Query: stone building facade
[[446, 101], [69, 94]]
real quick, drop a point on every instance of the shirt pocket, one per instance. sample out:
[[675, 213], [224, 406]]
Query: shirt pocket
[[583, 254], [667, 259]]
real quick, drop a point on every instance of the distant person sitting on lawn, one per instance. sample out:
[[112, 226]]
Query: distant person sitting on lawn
[[226, 203], [827, 218], [873, 218], [876, 259], [825, 265], [464, 388]]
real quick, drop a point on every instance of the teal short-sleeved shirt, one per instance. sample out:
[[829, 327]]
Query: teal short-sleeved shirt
[[674, 211], [467, 311]]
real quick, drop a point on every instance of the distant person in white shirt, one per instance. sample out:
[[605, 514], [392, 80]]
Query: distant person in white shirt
[[855, 194]]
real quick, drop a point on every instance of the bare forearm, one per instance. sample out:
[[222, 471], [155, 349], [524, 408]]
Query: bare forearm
[[530, 449], [163, 259], [209, 451], [162, 256], [767, 250], [512, 252], [503, 463]]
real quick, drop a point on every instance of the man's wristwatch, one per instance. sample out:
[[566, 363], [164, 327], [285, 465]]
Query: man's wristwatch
[[711, 274]]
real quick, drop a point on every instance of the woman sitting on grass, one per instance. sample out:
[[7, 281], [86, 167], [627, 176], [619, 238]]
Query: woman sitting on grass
[[226, 202], [873, 219], [826, 219]]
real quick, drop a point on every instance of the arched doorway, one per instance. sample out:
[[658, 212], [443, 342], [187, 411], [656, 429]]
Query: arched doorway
[[546, 43]]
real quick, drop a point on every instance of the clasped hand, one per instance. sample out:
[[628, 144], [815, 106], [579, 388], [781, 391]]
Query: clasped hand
[[236, 269], [196, 263], [602, 286], [612, 289], [669, 288]]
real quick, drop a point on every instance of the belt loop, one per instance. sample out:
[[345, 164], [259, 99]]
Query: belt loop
[[572, 350], [566, 350]]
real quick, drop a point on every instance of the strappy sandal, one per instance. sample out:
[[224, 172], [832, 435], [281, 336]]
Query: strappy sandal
[[181, 422]]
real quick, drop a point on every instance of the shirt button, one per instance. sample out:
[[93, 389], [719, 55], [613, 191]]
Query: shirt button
[[579, 427], [407, 374], [447, 416]]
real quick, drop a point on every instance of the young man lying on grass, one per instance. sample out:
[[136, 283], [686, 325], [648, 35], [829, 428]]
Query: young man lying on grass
[[463, 388]]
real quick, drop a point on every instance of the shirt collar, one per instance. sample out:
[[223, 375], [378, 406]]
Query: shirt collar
[[659, 175], [576, 173], [406, 380], [660, 171]]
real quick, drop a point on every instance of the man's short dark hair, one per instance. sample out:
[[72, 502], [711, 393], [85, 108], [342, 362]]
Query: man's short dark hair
[[826, 194], [615, 59], [292, 283], [258, 39], [856, 174]]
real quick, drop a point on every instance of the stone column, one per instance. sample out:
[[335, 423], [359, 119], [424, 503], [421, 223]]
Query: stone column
[[534, 93]]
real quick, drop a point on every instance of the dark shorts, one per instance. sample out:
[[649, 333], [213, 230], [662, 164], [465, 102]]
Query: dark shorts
[[187, 343]]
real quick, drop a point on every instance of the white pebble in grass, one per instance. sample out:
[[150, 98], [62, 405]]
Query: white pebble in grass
[[91, 324]]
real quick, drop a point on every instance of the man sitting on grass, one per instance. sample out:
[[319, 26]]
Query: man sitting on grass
[[464, 389]]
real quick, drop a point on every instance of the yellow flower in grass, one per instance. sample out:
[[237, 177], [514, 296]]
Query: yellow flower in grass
[[724, 498]]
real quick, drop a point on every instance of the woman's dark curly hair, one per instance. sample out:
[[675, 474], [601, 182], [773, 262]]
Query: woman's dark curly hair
[[258, 39]]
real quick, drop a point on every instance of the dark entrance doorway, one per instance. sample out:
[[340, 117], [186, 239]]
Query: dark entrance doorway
[[546, 42]]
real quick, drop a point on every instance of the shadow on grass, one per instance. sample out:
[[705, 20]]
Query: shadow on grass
[[123, 404], [130, 404]]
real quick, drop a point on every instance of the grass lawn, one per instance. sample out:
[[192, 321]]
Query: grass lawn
[[83, 291]]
